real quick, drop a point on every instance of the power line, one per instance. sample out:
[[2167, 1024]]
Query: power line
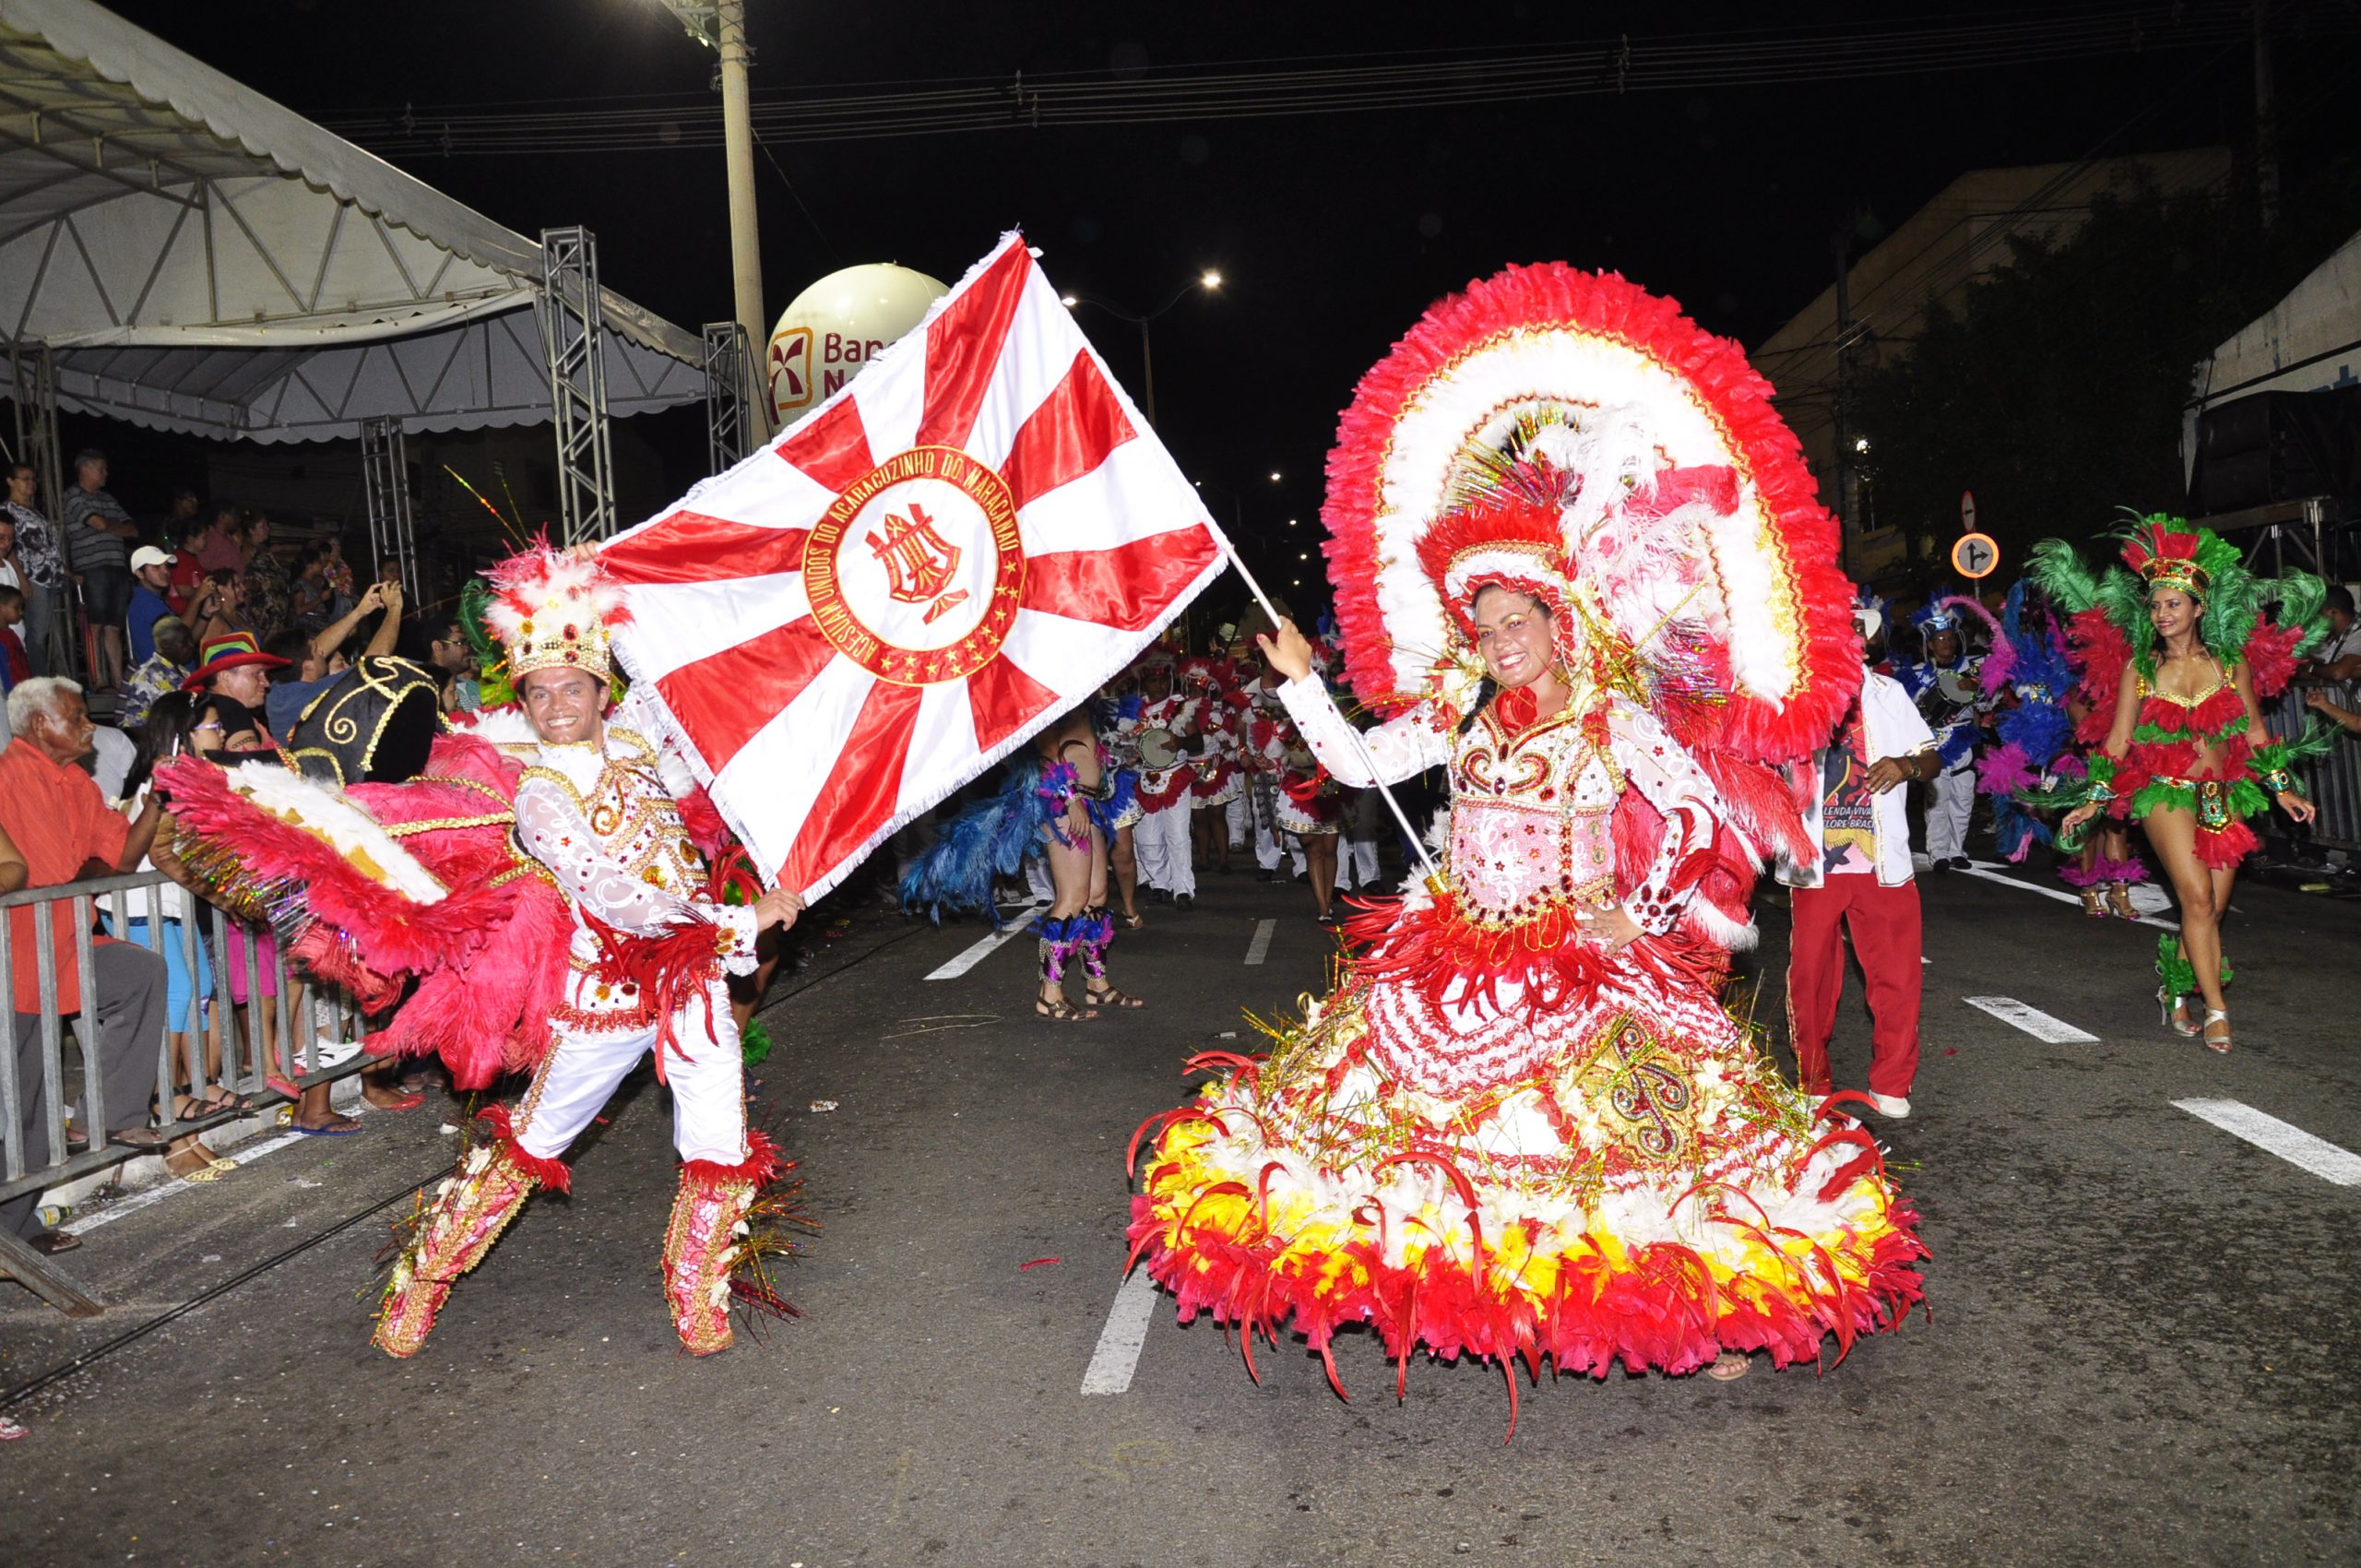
[[1319, 86]]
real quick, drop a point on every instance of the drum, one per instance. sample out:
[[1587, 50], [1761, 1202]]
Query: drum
[[1159, 750], [1960, 688]]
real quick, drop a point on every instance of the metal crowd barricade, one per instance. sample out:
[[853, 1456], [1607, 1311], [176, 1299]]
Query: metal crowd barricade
[[2334, 781], [248, 1065]]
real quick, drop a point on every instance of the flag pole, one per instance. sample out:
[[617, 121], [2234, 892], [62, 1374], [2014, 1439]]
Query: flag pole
[[1369, 763]]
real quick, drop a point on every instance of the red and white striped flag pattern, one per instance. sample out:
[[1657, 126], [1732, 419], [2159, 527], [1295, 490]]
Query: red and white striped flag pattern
[[961, 544]]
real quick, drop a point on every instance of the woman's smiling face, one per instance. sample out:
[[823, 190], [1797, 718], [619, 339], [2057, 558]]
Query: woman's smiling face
[[2172, 611], [1512, 636]]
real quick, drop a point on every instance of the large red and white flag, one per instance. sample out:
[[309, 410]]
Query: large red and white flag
[[960, 545]]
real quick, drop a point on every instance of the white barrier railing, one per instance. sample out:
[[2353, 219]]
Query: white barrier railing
[[245, 1046]]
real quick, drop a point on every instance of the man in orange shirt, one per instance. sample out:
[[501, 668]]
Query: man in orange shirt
[[62, 830]]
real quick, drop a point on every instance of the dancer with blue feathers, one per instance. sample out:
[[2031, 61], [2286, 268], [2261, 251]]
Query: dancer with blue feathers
[[2031, 670], [1064, 800]]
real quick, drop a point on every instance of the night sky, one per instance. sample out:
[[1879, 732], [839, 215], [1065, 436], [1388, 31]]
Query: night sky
[[1334, 232]]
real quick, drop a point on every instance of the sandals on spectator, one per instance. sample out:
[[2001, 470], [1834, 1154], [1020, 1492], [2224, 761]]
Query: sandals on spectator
[[187, 1107], [1130, 922], [147, 1140], [1108, 996], [1062, 1010], [207, 1168]]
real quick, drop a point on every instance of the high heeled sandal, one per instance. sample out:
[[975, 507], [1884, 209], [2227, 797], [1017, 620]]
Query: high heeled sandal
[[2176, 1016], [2091, 905], [2118, 899], [2216, 1016]]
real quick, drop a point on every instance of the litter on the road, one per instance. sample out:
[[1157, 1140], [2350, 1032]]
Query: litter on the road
[[1037, 1262], [823, 1105]]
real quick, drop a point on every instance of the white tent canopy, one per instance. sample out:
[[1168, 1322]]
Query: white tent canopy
[[2309, 341], [199, 259]]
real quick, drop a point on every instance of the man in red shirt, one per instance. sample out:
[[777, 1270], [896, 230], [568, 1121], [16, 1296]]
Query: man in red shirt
[[61, 829]]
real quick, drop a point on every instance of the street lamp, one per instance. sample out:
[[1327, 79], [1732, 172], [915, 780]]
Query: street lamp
[[1209, 280], [720, 26]]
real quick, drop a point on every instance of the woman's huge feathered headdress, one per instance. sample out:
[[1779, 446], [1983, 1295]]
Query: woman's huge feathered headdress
[[1571, 432]]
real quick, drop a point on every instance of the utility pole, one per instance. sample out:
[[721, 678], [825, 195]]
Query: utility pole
[[1147, 374], [720, 26], [1842, 245], [738, 148], [2266, 121]]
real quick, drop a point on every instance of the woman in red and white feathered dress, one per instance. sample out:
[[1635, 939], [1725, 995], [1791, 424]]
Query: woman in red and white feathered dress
[[1523, 1124]]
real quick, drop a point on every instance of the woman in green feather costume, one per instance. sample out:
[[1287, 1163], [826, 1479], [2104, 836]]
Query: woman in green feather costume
[[2175, 651]]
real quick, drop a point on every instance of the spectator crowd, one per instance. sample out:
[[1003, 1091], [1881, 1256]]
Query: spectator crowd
[[204, 632]]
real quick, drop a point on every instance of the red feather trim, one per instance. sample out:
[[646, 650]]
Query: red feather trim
[[2271, 657], [1507, 521], [1639, 831], [762, 1164], [1434, 948], [707, 830], [554, 1174], [1660, 1310], [1760, 802], [671, 969]]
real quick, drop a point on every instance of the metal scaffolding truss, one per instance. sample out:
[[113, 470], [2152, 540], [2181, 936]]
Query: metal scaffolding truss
[[33, 373], [574, 332], [728, 405], [384, 477]]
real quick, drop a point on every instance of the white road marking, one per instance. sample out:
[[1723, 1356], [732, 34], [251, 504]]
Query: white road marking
[[1991, 874], [1260, 948], [2291, 1143], [1118, 1354], [979, 953], [2033, 1020]]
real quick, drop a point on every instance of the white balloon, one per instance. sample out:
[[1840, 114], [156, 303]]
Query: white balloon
[[837, 327]]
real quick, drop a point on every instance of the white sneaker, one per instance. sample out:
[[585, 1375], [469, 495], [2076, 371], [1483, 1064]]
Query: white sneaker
[[1891, 1105]]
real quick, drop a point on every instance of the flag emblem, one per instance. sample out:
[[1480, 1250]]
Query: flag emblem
[[934, 590]]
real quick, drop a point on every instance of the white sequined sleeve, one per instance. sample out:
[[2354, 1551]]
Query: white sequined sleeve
[[553, 832], [1402, 749]]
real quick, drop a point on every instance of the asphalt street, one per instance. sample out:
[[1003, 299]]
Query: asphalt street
[[2141, 1347]]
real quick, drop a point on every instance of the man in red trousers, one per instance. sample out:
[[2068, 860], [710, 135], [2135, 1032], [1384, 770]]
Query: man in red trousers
[[1862, 879]]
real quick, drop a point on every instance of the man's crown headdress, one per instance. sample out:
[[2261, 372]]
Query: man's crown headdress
[[555, 610]]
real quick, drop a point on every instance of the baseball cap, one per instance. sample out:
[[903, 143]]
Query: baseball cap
[[149, 556]]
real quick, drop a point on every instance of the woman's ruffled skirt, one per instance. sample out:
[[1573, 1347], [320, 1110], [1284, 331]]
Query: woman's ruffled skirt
[[1628, 1184]]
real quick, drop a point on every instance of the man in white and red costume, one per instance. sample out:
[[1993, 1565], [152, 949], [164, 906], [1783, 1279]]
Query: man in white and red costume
[[646, 961], [1161, 836]]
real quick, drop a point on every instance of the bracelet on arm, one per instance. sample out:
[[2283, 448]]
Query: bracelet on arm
[[2100, 792], [2277, 781]]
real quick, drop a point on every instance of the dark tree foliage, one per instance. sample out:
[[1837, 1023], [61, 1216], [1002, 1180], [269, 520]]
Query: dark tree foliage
[[2055, 391]]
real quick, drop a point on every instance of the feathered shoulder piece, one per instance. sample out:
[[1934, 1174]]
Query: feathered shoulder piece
[[554, 609]]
